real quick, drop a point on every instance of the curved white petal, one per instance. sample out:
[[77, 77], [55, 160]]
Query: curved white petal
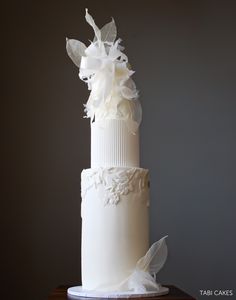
[[109, 32], [75, 50], [155, 258]]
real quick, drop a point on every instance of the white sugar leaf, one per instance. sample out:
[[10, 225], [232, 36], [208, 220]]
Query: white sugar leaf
[[109, 32], [155, 258], [75, 50], [91, 22]]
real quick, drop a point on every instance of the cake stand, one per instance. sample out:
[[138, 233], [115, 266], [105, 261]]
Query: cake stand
[[78, 291]]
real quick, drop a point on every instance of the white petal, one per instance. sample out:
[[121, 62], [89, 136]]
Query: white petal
[[75, 50], [108, 32], [155, 258], [91, 22]]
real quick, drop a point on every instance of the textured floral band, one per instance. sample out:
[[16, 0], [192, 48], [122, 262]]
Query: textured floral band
[[115, 181]]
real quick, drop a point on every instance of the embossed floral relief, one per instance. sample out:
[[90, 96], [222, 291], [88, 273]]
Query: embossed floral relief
[[115, 181]]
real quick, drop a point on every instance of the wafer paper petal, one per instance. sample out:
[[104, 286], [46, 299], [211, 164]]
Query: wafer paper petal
[[75, 50], [155, 258], [91, 22], [109, 32], [141, 282]]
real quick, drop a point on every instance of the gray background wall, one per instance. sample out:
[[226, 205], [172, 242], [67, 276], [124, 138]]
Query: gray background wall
[[184, 56]]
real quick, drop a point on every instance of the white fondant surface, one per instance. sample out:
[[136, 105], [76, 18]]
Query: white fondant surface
[[113, 144], [79, 291], [114, 235]]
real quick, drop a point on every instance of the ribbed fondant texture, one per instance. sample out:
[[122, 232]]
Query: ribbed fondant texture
[[113, 145]]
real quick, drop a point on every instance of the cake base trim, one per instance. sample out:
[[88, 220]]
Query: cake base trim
[[78, 291]]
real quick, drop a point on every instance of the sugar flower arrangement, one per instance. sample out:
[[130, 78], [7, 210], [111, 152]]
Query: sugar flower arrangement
[[105, 69]]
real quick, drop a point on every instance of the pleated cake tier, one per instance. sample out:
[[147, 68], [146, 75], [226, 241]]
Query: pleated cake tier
[[113, 144]]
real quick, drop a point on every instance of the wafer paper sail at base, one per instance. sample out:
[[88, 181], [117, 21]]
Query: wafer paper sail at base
[[143, 278]]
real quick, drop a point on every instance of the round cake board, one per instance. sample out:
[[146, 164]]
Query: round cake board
[[78, 291]]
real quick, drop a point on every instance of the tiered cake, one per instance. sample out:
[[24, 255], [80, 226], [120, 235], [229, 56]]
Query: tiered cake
[[114, 206], [115, 190]]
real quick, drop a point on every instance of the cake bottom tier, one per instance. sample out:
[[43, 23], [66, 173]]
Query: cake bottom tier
[[115, 224]]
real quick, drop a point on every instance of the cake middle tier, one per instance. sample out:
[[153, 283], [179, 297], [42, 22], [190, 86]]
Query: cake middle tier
[[113, 144], [115, 224]]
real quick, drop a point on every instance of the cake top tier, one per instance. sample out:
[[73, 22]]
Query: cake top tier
[[105, 69]]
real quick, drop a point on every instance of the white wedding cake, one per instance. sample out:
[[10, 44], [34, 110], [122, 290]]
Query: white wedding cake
[[116, 258]]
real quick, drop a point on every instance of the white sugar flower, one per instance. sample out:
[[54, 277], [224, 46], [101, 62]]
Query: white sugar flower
[[105, 69]]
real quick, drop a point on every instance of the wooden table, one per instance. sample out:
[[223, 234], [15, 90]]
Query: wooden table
[[60, 293]]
